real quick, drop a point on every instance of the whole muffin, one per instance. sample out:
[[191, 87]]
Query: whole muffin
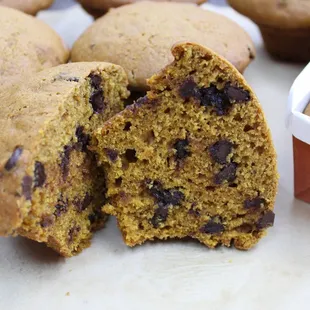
[[27, 45], [97, 8], [284, 24], [139, 37], [28, 6]]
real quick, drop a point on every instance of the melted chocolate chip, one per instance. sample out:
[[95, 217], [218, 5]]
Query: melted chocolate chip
[[39, 174], [112, 154], [65, 161], [181, 147], [228, 173], [83, 139], [27, 187], [82, 205], [266, 220], [257, 202], [97, 97], [236, 94], [160, 215], [11, 163], [61, 208], [213, 97], [220, 150], [73, 232], [189, 89], [166, 196], [47, 221], [214, 226]]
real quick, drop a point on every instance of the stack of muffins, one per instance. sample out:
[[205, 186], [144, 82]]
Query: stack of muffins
[[192, 156]]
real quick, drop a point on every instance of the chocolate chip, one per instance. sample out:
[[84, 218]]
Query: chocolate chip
[[97, 97], [61, 207], [65, 161], [266, 220], [11, 163], [193, 211], [27, 187], [214, 226], [82, 205], [95, 80], [220, 150], [39, 174], [97, 101], [213, 97], [130, 156], [47, 221], [257, 202], [160, 215], [182, 149], [236, 94], [112, 154], [96, 216], [83, 138], [189, 89], [166, 196], [73, 232], [228, 173]]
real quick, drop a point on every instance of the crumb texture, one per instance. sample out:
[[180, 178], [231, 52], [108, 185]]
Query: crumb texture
[[51, 189], [192, 158]]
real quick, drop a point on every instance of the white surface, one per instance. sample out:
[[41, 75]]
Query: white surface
[[176, 275], [299, 97]]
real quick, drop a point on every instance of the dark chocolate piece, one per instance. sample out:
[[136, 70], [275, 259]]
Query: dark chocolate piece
[[47, 221], [39, 174], [160, 215], [61, 207], [257, 202], [65, 161], [214, 226], [220, 150], [82, 205], [236, 94], [182, 149], [83, 139], [189, 89], [11, 163], [228, 173], [266, 220], [73, 232], [112, 154]]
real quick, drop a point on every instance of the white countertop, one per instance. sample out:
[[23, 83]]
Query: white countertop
[[175, 274]]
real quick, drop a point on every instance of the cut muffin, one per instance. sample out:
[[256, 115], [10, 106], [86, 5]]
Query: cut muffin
[[192, 158], [51, 189]]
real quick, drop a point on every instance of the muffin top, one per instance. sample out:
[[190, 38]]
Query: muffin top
[[27, 45], [139, 37], [277, 13], [28, 6]]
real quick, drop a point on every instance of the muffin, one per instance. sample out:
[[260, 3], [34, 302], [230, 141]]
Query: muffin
[[193, 158], [284, 24], [28, 6], [139, 37], [98, 8]]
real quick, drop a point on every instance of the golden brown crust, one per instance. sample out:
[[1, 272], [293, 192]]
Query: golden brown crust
[[28, 6], [131, 38], [277, 13]]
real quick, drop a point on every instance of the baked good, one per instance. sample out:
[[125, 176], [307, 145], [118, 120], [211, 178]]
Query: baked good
[[139, 37], [28, 6], [284, 24], [192, 158], [302, 166], [98, 8], [51, 189], [27, 45]]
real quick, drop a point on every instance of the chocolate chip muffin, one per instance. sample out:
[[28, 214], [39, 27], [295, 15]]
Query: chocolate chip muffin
[[284, 24], [27, 45], [192, 158], [98, 8], [50, 187], [139, 38], [28, 6]]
